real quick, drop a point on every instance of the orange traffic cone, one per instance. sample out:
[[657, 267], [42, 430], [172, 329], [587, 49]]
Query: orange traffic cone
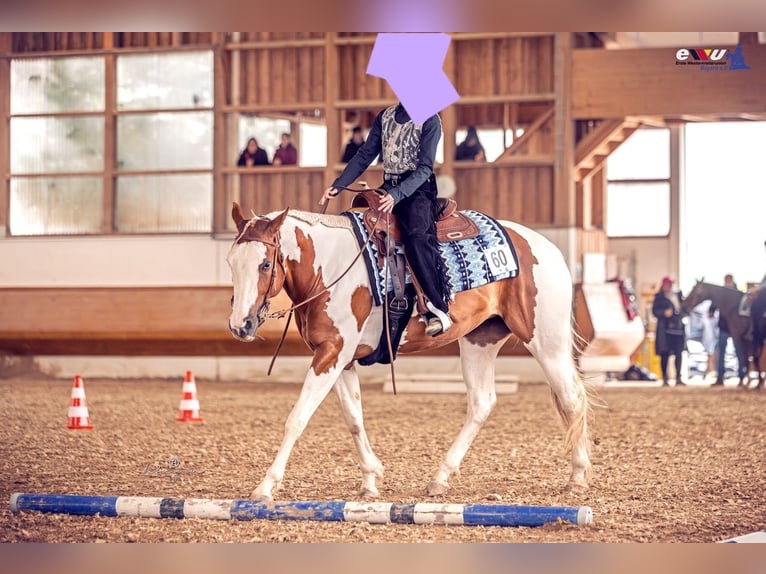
[[78, 407], [188, 410]]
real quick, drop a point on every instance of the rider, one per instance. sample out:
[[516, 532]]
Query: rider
[[408, 151]]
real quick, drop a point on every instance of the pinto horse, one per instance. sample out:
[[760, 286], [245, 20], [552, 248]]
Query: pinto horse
[[728, 300], [315, 259]]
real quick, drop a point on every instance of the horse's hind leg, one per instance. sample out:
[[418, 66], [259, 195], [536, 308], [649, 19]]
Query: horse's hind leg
[[478, 351], [571, 400], [349, 395]]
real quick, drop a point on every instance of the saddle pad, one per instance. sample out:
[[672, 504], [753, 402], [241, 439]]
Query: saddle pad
[[469, 263]]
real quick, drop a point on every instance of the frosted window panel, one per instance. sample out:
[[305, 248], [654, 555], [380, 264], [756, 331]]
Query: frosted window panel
[[57, 85], [158, 81], [165, 203], [644, 155], [56, 206], [165, 141], [62, 144], [638, 209], [313, 145]]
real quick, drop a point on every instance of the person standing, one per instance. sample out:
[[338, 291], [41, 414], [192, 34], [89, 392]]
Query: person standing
[[287, 153], [408, 151], [252, 155], [470, 149], [670, 335], [723, 337], [353, 145]]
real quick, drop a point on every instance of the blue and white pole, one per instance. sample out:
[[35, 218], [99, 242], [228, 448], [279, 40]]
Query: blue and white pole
[[332, 511]]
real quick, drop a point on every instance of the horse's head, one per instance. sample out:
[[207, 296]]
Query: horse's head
[[256, 271], [697, 295]]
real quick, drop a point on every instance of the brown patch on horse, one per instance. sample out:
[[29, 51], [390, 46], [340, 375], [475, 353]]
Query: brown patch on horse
[[315, 326], [521, 298], [361, 305], [489, 332]]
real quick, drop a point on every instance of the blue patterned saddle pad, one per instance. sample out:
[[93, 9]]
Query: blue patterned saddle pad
[[469, 263]]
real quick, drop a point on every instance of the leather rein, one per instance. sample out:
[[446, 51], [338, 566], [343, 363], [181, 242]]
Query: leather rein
[[263, 309]]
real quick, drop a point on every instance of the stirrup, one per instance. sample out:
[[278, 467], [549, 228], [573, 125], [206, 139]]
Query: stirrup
[[438, 324]]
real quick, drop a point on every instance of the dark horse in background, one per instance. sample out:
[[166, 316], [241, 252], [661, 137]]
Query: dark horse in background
[[748, 341]]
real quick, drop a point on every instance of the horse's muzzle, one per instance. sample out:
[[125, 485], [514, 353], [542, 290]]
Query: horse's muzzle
[[249, 326]]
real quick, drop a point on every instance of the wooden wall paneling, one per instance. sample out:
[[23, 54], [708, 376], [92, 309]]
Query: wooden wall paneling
[[318, 63], [647, 81], [250, 76], [501, 65], [598, 183], [544, 76], [278, 76], [6, 40], [346, 79], [264, 77], [517, 197], [516, 69], [502, 193]]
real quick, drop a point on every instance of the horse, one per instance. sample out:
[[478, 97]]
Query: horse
[[728, 300], [758, 317], [315, 259]]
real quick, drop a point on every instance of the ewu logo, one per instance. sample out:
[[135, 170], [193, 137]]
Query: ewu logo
[[707, 55], [715, 59]]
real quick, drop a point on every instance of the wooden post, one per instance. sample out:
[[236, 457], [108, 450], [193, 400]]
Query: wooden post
[[563, 181], [109, 215], [449, 118], [219, 134], [5, 132], [331, 113]]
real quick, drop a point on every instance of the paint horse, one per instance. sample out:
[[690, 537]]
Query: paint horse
[[314, 258], [728, 301]]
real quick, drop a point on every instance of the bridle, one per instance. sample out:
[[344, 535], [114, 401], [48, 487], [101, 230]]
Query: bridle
[[263, 313]]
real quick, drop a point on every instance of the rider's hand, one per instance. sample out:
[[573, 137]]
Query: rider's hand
[[386, 204], [328, 194], [668, 312]]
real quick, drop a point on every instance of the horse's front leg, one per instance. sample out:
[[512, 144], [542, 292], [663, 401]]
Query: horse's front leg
[[349, 395], [325, 369]]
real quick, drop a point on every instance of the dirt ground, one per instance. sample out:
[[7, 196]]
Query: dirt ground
[[670, 465]]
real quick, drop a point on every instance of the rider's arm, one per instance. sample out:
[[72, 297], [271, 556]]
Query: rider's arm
[[429, 141], [364, 157]]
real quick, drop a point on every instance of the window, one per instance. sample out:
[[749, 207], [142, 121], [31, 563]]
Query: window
[[57, 146], [638, 189], [164, 143], [162, 128]]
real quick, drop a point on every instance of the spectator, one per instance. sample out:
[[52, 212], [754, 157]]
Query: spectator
[[253, 155], [353, 145], [286, 153], [670, 334], [470, 149]]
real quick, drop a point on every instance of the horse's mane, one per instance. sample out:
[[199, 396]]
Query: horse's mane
[[328, 220]]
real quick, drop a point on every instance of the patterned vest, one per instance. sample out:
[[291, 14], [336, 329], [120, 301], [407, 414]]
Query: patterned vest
[[401, 143]]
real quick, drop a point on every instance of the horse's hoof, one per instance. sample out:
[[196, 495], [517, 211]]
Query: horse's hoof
[[437, 489], [367, 493], [576, 487], [255, 495]]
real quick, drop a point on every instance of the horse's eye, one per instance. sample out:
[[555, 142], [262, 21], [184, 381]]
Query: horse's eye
[[266, 266]]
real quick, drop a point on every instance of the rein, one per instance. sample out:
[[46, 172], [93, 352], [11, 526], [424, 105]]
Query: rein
[[290, 310]]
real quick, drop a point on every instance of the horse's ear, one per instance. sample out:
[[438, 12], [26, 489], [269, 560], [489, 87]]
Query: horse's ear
[[276, 223], [238, 216]]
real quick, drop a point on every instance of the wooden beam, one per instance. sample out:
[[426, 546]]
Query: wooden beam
[[564, 212], [109, 215], [5, 130], [519, 142], [619, 83], [332, 114], [449, 120], [220, 207]]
